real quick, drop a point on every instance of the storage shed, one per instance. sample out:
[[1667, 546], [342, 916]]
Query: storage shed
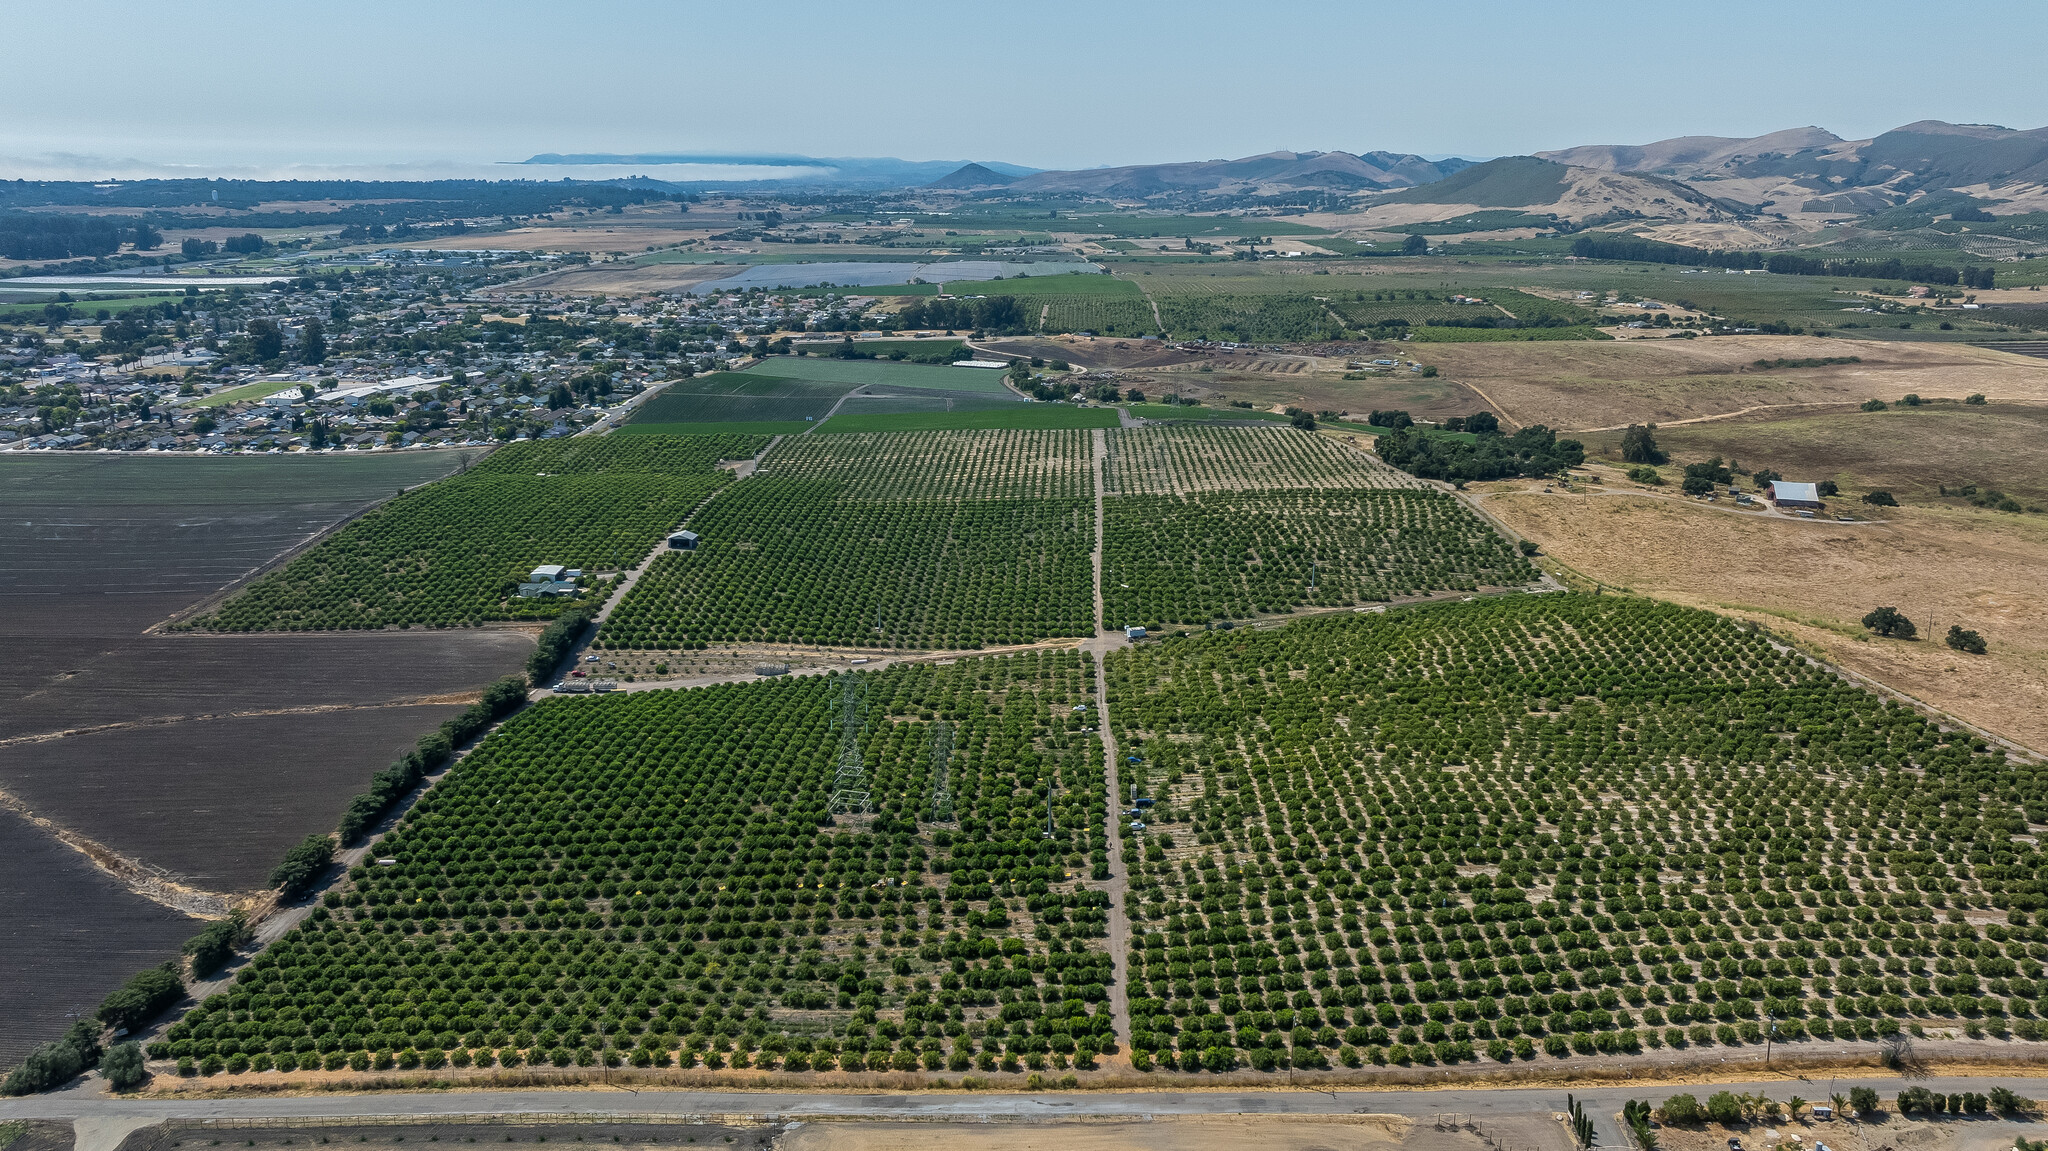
[[1791, 495], [549, 573], [684, 541]]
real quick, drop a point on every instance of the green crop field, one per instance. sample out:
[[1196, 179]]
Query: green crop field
[[654, 879], [452, 553], [1236, 555], [1018, 416], [1573, 824], [739, 397], [719, 428], [854, 373], [1202, 412], [922, 540]]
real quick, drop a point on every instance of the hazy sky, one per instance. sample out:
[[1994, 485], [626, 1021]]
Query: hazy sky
[[444, 87]]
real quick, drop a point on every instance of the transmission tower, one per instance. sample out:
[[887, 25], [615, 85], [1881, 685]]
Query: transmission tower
[[942, 756], [850, 794]]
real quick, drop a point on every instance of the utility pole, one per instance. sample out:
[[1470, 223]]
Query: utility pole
[[850, 794]]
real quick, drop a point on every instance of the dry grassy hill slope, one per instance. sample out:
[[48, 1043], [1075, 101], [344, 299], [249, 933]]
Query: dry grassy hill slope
[[1541, 187], [1686, 156], [1269, 172]]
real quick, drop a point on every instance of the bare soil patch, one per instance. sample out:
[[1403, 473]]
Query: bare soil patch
[[217, 802], [69, 933], [1814, 580], [1572, 385]]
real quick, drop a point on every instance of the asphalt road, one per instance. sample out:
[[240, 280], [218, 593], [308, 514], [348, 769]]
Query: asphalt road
[[91, 1109]]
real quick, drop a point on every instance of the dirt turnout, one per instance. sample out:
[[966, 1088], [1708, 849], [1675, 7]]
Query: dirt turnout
[[1814, 580], [1580, 386]]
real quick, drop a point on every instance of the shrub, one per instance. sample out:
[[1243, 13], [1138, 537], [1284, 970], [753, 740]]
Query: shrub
[[1644, 474], [1874, 405], [1863, 1100], [1724, 1108], [1882, 499], [123, 1066], [1682, 1110]]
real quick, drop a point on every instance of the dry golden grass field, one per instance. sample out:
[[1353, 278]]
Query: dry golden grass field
[[1585, 386], [1815, 579]]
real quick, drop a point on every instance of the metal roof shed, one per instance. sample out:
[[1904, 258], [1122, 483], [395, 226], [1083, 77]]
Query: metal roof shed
[[1793, 495]]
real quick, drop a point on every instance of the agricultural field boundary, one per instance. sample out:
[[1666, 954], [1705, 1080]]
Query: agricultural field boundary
[[201, 607], [250, 713], [1718, 416], [144, 879]]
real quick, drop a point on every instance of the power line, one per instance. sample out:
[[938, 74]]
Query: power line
[[850, 791]]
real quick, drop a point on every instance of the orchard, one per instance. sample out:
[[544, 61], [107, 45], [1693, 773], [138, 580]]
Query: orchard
[[1559, 824], [452, 553], [653, 879]]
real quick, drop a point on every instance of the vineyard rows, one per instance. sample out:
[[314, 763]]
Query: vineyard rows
[[1183, 458], [653, 878], [451, 554], [1223, 555], [1579, 825]]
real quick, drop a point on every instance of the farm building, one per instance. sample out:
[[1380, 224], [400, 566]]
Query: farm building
[[542, 589], [684, 541], [1790, 495], [549, 573], [981, 364]]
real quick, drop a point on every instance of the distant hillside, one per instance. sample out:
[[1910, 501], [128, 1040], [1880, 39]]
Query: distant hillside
[[1811, 171], [1509, 182], [972, 176], [1691, 155], [822, 171], [1273, 171], [1541, 187]]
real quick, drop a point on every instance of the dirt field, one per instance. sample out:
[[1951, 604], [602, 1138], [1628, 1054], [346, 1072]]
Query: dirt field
[[1585, 386], [68, 932], [205, 756], [1814, 580]]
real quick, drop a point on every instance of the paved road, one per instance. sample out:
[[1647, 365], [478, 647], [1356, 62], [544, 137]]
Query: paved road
[[86, 1103]]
